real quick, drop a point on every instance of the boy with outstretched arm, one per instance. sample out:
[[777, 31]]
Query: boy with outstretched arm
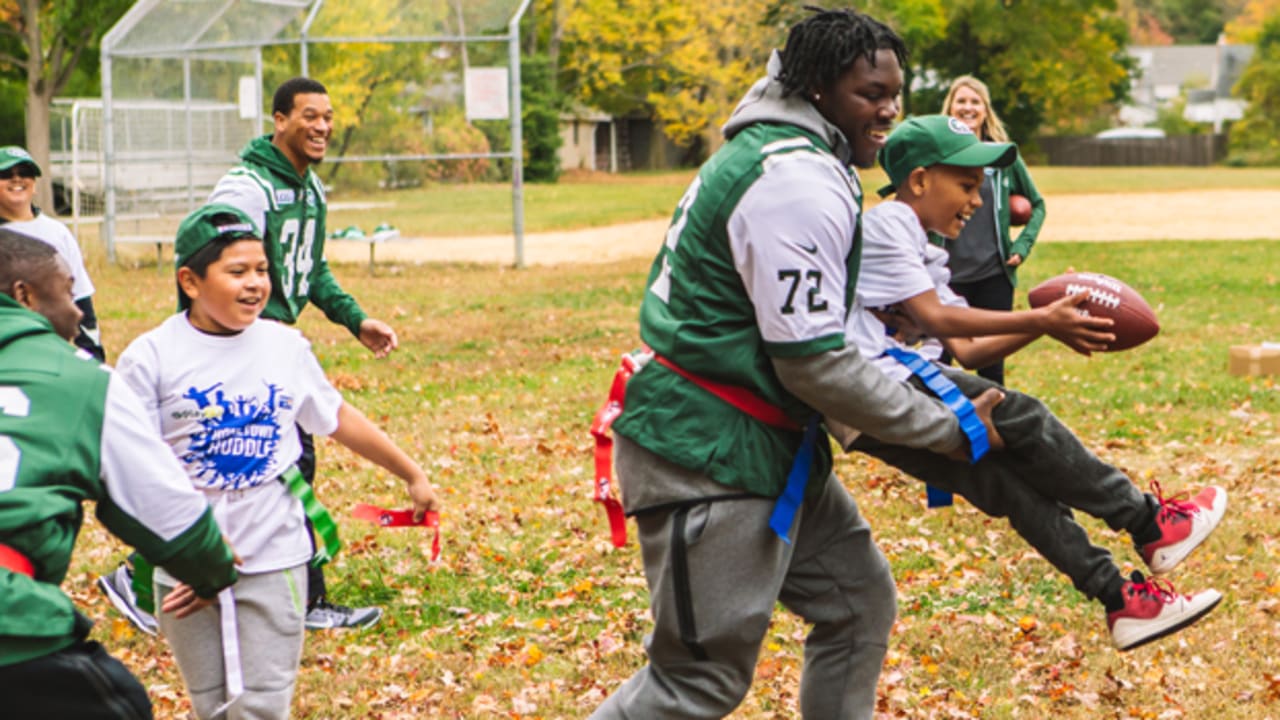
[[226, 389], [935, 164]]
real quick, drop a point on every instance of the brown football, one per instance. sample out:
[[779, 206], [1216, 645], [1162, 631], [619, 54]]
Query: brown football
[[1108, 297], [1019, 210]]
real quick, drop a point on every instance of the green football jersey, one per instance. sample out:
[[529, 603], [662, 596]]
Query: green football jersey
[[59, 409], [750, 270], [289, 210]]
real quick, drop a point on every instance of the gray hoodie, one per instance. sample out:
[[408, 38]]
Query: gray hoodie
[[764, 103]]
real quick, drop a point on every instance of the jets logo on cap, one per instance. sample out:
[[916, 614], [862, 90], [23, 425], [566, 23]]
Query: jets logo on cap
[[234, 227], [958, 127]]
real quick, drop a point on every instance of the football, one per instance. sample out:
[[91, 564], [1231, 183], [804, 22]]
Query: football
[[1108, 297], [1019, 210]]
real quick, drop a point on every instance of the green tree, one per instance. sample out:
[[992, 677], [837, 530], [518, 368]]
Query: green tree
[[43, 42], [540, 106], [1052, 63], [1255, 138], [1192, 21]]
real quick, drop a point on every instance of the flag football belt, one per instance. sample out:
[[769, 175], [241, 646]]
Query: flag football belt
[[951, 396], [401, 518], [321, 521], [740, 398], [11, 559]]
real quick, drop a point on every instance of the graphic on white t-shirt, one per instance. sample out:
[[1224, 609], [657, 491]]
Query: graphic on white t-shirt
[[236, 444]]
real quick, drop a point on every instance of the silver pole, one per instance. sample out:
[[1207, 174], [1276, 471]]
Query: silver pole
[[186, 106], [75, 168], [257, 74], [108, 161], [517, 134]]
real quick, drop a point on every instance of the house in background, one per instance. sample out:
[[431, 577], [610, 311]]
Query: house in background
[[1206, 72], [594, 140], [584, 133]]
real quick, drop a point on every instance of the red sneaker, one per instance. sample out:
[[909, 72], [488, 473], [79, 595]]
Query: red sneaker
[[1184, 524], [1153, 609]]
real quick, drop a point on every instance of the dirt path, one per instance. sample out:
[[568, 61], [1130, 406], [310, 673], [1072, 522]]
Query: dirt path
[[1207, 215]]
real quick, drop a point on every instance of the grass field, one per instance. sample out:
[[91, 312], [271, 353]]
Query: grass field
[[593, 200], [531, 614]]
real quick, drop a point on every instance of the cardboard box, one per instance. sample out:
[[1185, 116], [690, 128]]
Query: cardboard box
[[1261, 359]]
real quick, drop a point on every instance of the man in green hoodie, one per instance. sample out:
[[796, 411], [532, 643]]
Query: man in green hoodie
[[275, 186], [71, 431]]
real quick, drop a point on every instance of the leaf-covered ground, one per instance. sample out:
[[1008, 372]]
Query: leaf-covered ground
[[531, 614]]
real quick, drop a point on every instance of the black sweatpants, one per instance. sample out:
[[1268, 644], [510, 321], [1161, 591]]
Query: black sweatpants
[[82, 681]]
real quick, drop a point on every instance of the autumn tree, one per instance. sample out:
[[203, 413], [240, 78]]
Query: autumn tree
[[1255, 138], [44, 41], [686, 64], [1247, 25]]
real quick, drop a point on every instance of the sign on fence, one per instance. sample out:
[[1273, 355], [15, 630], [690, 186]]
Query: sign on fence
[[487, 96]]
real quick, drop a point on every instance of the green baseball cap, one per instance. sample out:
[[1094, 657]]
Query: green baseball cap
[[202, 227], [929, 140], [11, 155]]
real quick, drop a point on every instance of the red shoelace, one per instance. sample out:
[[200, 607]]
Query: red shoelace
[[1178, 503], [1157, 587]]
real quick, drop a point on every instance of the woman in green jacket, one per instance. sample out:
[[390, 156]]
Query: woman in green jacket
[[984, 258]]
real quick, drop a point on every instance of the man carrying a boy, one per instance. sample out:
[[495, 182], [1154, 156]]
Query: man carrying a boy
[[935, 164], [719, 456], [72, 431]]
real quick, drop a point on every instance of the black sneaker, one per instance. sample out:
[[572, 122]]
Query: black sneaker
[[324, 615], [117, 585]]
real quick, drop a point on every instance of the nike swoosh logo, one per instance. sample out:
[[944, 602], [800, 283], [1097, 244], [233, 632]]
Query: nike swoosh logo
[[812, 250]]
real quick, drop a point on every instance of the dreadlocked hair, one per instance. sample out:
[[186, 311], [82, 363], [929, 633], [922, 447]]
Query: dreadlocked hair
[[825, 45]]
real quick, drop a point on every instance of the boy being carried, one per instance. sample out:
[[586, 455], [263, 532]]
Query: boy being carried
[[226, 389], [935, 164]]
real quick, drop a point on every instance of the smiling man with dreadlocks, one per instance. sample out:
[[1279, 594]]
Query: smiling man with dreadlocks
[[720, 456]]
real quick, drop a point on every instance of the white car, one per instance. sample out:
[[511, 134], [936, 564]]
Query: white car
[[1130, 133]]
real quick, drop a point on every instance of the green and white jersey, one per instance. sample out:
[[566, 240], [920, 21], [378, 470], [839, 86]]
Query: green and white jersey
[[289, 211], [70, 432], [759, 262]]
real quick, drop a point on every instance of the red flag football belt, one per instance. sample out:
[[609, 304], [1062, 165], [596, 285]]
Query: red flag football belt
[[739, 397], [11, 559], [401, 518]]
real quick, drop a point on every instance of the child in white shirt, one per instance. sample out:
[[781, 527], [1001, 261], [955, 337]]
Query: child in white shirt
[[936, 166], [225, 389]]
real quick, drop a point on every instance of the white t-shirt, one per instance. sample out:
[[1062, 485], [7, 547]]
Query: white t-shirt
[[52, 232], [898, 263], [227, 406]]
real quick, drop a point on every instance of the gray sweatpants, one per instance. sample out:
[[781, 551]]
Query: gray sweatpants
[[269, 613], [715, 571], [1042, 474]]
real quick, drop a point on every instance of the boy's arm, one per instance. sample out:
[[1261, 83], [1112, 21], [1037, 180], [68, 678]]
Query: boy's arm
[[1060, 320], [358, 433]]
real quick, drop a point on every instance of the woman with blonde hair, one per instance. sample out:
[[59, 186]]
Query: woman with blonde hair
[[984, 257]]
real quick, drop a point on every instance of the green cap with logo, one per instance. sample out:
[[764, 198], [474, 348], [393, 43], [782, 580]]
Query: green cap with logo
[[206, 224], [929, 140], [12, 156]]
